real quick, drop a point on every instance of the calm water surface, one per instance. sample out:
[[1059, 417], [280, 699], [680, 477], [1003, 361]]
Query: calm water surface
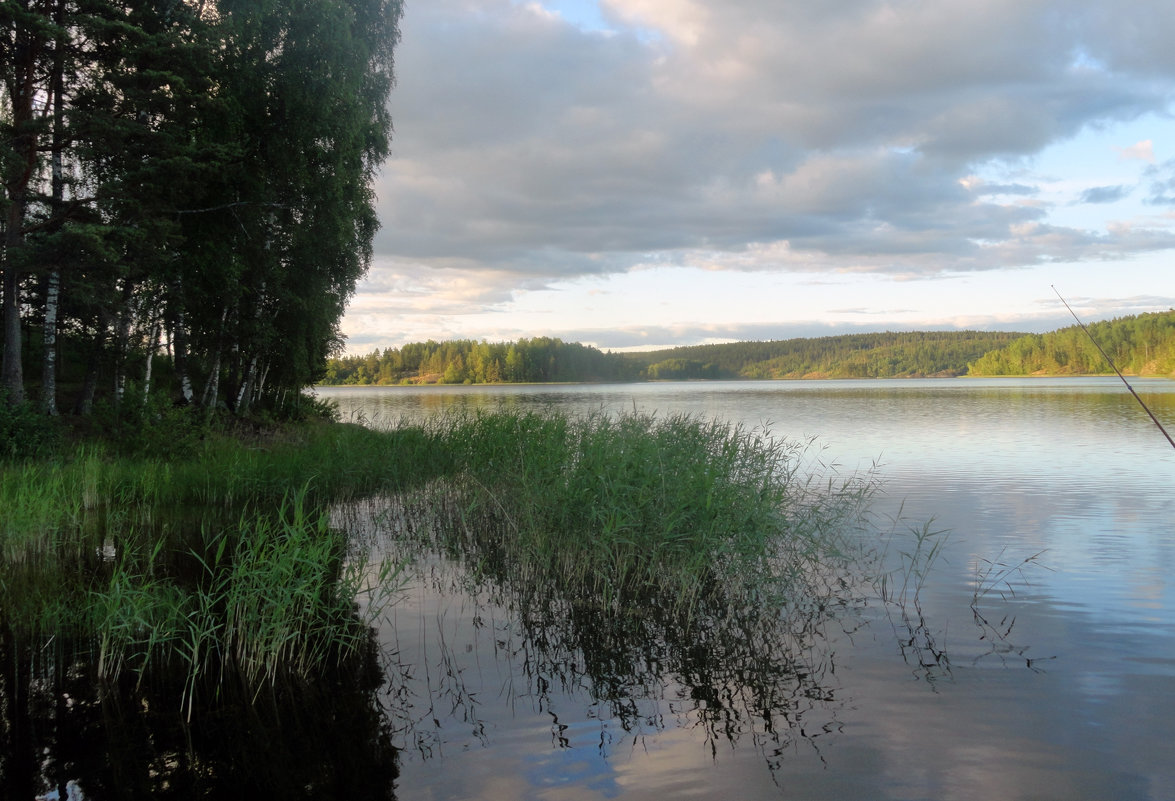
[[1039, 663]]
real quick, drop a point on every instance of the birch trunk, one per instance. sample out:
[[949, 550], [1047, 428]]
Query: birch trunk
[[245, 393], [257, 392], [57, 185], [212, 388], [152, 345], [49, 332], [122, 343], [180, 340]]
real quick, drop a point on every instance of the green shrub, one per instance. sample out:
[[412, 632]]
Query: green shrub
[[26, 433]]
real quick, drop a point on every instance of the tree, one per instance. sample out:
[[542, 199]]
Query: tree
[[25, 55], [208, 184]]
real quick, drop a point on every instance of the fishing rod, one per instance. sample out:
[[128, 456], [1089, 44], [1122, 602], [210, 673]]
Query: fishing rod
[[1116, 370]]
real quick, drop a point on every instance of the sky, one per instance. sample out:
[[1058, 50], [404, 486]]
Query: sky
[[651, 173]]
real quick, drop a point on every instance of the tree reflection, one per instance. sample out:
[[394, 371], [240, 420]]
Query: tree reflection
[[322, 738]]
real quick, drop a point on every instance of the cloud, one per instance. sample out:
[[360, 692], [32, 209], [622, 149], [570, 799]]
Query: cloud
[[751, 135], [1162, 184], [1101, 308], [980, 187], [1140, 151], [869, 311], [1104, 194]]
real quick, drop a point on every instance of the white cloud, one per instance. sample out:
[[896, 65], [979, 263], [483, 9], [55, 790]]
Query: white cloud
[[708, 132], [1141, 151]]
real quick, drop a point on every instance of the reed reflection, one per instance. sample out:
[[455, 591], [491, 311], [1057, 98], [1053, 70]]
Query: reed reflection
[[752, 662]]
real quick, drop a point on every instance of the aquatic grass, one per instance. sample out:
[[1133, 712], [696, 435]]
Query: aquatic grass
[[137, 613], [336, 461], [286, 599], [270, 595], [273, 598], [643, 555], [918, 549], [624, 505], [36, 505], [607, 511]]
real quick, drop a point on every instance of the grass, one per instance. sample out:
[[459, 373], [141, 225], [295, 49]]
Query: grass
[[222, 566], [636, 547], [624, 506], [222, 563], [274, 598]]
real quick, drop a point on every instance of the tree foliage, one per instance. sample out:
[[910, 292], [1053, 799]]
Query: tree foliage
[[1143, 344], [875, 355], [886, 355], [188, 179], [537, 360]]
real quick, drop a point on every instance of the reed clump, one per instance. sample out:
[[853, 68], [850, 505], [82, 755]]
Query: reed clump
[[223, 563], [219, 564], [271, 598], [337, 462], [624, 505]]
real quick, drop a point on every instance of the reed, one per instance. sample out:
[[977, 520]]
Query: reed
[[624, 505], [224, 564], [272, 597], [336, 462]]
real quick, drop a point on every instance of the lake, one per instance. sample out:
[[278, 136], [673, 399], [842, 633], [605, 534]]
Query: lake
[[1037, 660]]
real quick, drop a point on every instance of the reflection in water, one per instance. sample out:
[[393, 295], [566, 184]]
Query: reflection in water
[[323, 738], [1058, 688], [753, 665]]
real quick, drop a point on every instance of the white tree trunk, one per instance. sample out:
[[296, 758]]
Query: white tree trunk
[[212, 388], [49, 360], [244, 395], [152, 346], [122, 344], [180, 343]]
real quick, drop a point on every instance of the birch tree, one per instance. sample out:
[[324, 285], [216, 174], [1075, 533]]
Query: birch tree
[[194, 173]]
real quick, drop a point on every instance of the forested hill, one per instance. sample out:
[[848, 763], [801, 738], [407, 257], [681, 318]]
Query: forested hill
[[888, 355], [464, 361], [1143, 344], [883, 355], [1140, 345]]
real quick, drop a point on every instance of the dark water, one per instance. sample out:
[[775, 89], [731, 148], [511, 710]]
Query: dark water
[[1038, 662]]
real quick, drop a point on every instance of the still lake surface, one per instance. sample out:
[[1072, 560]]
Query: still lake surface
[[1039, 662]]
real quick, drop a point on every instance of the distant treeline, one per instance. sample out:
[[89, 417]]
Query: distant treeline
[[1140, 345], [464, 361], [884, 355]]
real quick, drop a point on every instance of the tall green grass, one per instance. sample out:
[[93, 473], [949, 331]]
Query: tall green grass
[[272, 598], [638, 552], [220, 563], [621, 506], [223, 563], [335, 461]]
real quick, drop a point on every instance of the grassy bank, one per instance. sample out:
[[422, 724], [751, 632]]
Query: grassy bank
[[222, 565]]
